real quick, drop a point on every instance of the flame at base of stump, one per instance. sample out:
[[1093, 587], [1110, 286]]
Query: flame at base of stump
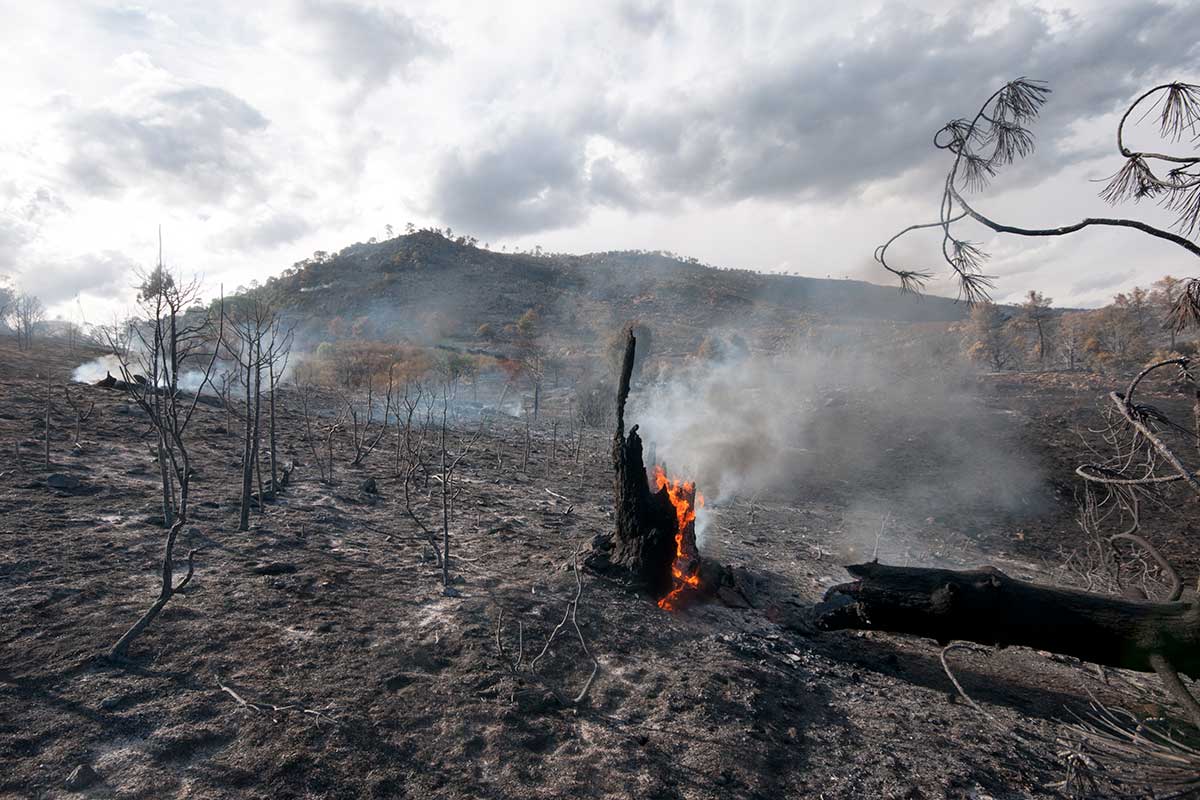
[[685, 567]]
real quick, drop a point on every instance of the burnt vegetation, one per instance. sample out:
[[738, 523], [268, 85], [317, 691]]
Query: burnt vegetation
[[418, 518]]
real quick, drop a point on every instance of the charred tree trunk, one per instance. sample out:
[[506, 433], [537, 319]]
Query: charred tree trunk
[[989, 607], [644, 540]]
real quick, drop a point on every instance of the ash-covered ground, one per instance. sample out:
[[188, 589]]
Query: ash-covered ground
[[330, 608]]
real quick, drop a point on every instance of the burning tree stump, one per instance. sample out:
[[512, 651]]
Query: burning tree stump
[[655, 537], [644, 542]]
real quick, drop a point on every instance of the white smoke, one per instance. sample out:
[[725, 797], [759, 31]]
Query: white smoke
[[97, 369], [802, 424]]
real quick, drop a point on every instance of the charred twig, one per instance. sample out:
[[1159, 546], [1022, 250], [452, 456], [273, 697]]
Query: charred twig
[[318, 715], [570, 616], [961, 691], [1136, 752]]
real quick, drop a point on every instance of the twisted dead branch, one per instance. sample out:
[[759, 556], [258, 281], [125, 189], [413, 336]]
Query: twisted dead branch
[[318, 715]]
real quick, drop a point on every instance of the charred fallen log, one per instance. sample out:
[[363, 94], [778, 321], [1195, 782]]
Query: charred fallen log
[[989, 607]]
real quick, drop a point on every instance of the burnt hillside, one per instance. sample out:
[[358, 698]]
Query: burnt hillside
[[425, 285]]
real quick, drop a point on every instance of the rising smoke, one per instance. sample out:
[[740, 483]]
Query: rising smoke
[[895, 431]]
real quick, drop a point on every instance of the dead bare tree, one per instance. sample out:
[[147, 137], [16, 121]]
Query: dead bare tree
[[27, 313], [450, 458], [997, 135], [279, 349], [168, 590], [49, 406], [173, 338], [406, 407], [316, 444], [255, 345], [364, 438]]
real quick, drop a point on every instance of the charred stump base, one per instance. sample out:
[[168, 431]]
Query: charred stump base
[[644, 546]]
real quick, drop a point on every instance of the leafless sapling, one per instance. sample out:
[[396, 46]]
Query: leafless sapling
[[319, 431], [173, 338], [364, 437], [46, 423], [255, 343], [279, 349], [450, 457], [82, 414]]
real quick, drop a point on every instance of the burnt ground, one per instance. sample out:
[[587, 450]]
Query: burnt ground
[[414, 698]]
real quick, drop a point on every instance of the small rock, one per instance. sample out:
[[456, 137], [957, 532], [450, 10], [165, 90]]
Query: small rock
[[275, 568], [81, 777], [111, 702], [60, 480]]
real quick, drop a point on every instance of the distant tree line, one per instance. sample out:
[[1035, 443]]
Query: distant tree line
[[1137, 326]]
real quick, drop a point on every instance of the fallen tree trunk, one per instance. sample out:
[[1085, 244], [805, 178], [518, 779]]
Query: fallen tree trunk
[[989, 607]]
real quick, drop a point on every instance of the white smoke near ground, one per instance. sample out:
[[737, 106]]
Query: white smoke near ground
[[97, 369], [873, 431]]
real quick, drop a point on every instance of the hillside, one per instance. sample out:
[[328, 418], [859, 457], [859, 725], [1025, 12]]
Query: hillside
[[426, 286]]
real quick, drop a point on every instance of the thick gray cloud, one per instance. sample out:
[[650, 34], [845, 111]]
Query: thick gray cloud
[[13, 237], [21, 218], [761, 135], [276, 228], [608, 185], [821, 123], [191, 141], [367, 44], [531, 180], [864, 108], [647, 16]]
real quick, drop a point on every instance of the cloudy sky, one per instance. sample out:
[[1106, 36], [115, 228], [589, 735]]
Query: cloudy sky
[[775, 136]]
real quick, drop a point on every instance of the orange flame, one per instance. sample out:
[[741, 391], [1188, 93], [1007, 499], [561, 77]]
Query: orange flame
[[686, 500]]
